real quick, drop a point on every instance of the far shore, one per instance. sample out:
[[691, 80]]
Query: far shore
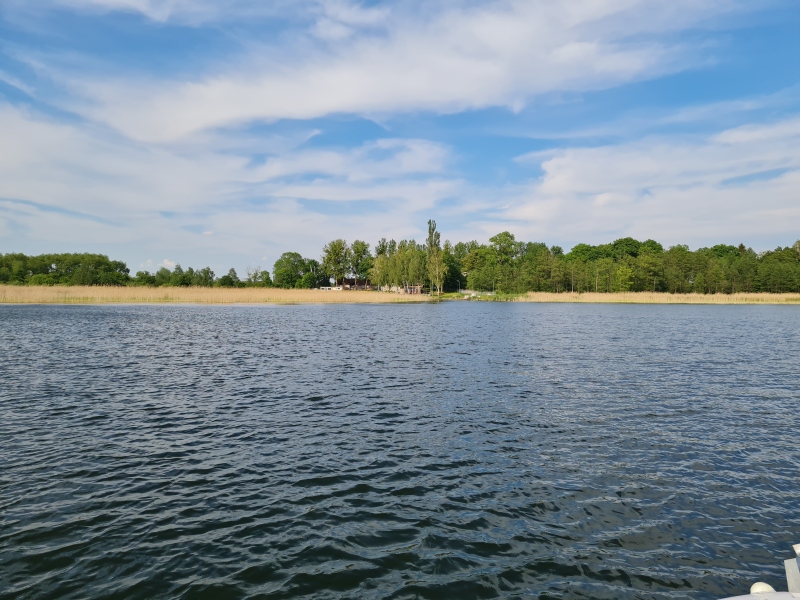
[[660, 298], [11, 294]]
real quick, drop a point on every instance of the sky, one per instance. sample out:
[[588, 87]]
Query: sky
[[216, 133]]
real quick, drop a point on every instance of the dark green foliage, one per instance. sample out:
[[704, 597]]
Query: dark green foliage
[[255, 277], [505, 265], [454, 279], [291, 270], [204, 277], [176, 278], [627, 265], [230, 280], [360, 260], [163, 276], [62, 269], [651, 247], [625, 247], [336, 259], [144, 278], [314, 275], [288, 270]]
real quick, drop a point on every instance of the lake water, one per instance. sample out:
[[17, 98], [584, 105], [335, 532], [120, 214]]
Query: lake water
[[462, 450]]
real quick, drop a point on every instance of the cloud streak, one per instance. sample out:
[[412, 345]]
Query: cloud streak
[[455, 59]]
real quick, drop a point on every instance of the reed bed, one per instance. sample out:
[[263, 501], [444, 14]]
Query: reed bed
[[11, 294], [660, 298]]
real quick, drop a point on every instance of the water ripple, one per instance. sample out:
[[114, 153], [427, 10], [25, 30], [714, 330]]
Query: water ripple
[[437, 451]]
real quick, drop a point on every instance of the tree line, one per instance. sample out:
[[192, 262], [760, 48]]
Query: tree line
[[626, 264], [504, 265]]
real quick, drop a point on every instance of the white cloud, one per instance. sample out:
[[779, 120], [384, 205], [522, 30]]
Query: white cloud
[[87, 170], [190, 12], [740, 184], [374, 160], [65, 185], [69, 185], [457, 56], [16, 83]]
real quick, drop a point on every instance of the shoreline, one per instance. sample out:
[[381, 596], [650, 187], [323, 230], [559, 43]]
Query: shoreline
[[67, 295], [13, 295], [661, 298]]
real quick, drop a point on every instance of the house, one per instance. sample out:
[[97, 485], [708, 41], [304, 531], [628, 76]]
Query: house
[[360, 284]]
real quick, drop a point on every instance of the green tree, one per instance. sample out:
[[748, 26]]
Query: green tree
[[435, 259], [454, 277], [288, 270], [558, 271], [506, 249], [181, 278], [651, 247], [678, 269], [626, 247], [380, 272], [624, 278], [535, 265], [360, 260], [163, 276], [204, 277], [417, 267], [336, 259], [230, 280], [144, 278], [649, 268], [481, 268], [314, 275]]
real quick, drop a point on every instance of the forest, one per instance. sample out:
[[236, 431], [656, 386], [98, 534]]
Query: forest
[[504, 265]]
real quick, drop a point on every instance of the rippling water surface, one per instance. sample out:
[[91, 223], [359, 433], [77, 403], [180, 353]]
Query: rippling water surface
[[462, 450]]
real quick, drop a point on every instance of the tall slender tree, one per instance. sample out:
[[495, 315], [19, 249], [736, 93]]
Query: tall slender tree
[[435, 260]]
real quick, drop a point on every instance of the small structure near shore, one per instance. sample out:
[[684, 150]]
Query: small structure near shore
[[357, 284], [410, 289]]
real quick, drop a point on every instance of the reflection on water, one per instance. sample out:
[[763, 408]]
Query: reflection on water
[[461, 450]]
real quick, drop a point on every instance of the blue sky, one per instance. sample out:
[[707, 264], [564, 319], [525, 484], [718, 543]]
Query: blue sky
[[202, 132]]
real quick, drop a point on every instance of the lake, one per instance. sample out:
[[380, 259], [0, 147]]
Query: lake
[[454, 450]]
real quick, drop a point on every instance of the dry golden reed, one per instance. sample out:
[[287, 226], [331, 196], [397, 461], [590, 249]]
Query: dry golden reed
[[11, 294], [661, 298]]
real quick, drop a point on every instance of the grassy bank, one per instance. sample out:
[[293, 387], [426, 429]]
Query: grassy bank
[[12, 294], [659, 298]]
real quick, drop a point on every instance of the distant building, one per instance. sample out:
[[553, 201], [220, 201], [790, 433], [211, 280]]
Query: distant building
[[350, 284]]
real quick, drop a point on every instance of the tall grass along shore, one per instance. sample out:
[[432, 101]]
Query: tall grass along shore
[[14, 294]]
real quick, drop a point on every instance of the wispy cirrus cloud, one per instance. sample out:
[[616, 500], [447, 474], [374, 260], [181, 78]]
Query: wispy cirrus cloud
[[454, 57], [328, 19], [187, 12]]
